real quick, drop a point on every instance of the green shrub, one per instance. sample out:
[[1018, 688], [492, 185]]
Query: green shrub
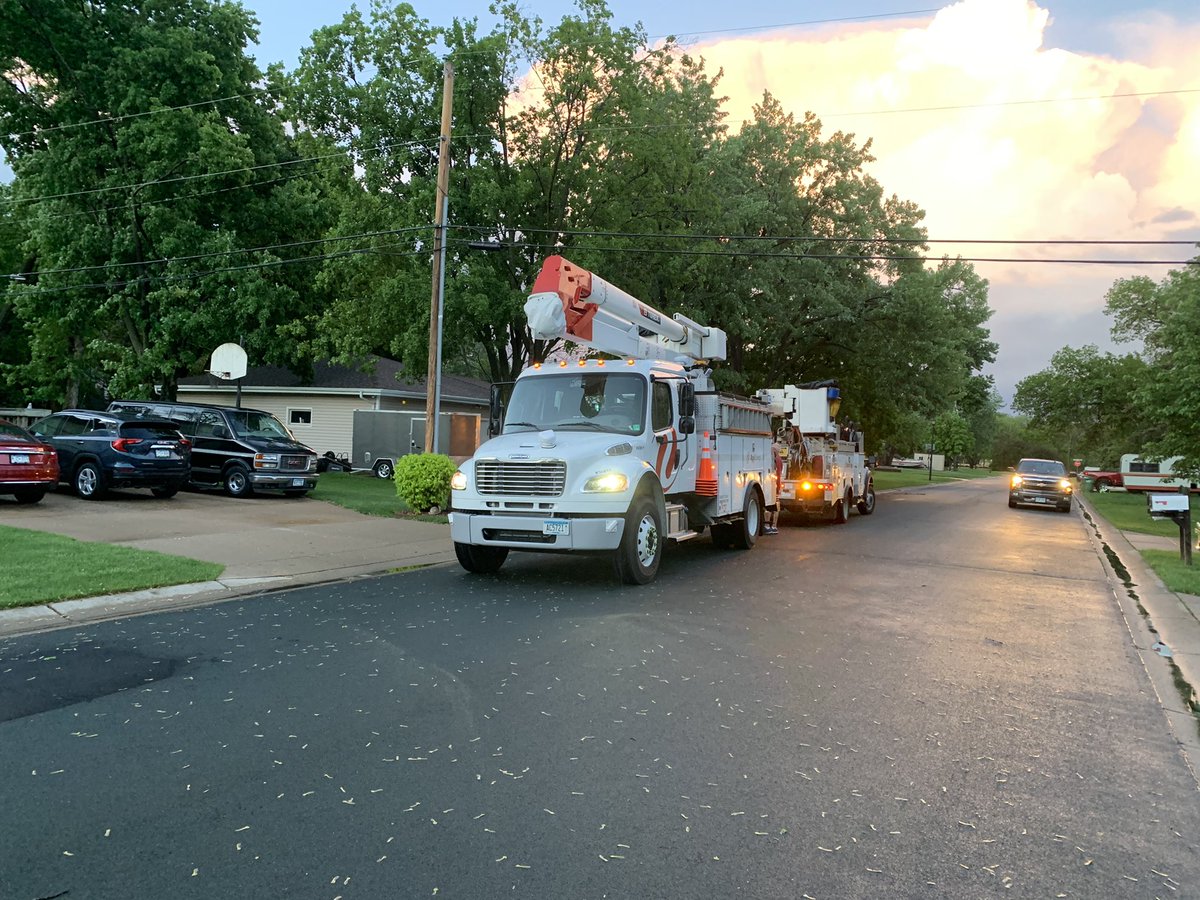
[[423, 480]]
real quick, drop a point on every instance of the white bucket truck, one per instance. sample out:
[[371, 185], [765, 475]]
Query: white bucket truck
[[613, 455], [824, 470]]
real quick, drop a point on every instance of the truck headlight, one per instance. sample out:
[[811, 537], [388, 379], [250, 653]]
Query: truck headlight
[[458, 481], [606, 483], [266, 460]]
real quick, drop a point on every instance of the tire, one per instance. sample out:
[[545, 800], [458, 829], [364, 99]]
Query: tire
[[384, 469], [480, 560], [1101, 484], [1065, 509], [1012, 504], [866, 505], [841, 509], [166, 492], [237, 481], [89, 481], [638, 557], [33, 496], [746, 531]]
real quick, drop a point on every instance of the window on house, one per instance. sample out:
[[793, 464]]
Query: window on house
[[299, 416]]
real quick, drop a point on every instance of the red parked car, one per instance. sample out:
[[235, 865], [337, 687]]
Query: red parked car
[[28, 466]]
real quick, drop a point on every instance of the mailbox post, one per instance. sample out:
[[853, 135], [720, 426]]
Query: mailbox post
[[1177, 507]]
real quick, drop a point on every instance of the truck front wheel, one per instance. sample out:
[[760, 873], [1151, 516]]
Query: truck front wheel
[[638, 557], [480, 560]]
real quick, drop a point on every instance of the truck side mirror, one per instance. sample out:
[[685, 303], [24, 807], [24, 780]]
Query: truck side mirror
[[687, 403], [687, 424], [495, 411]]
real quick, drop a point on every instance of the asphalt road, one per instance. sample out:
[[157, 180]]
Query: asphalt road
[[941, 700]]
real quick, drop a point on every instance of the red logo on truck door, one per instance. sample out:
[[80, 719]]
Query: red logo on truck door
[[668, 456]]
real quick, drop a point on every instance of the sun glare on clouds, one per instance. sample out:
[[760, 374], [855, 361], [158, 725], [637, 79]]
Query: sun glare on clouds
[[1033, 144]]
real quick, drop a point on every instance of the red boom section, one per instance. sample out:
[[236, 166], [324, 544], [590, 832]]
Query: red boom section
[[574, 286]]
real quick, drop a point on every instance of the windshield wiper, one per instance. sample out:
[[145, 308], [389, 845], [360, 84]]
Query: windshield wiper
[[519, 424], [584, 422]]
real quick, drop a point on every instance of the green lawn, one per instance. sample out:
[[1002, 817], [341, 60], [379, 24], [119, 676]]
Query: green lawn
[[913, 477], [1127, 511], [367, 494], [35, 569]]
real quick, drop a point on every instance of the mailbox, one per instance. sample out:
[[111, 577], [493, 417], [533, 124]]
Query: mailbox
[[1166, 505]]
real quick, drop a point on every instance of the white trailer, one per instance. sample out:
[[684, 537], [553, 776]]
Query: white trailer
[[614, 455], [825, 473]]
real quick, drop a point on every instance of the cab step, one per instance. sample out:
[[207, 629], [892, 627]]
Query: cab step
[[678, 528]]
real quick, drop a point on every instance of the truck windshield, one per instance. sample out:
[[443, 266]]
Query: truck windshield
[[248, 423], [587, 401]]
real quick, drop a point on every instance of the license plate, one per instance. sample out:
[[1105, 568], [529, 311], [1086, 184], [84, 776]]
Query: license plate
[[297, 482], [162, 453], [1040, 500], [19, 458], [556, 526]]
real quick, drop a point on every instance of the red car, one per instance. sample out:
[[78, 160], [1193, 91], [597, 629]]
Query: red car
[[28, 466]]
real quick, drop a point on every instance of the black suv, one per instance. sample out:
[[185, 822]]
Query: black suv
[[1041, 482], [102, 450]]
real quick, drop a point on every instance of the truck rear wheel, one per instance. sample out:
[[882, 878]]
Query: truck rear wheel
[[480, 560], [841, 509], [866, 505], [748, 529], [640, 553]]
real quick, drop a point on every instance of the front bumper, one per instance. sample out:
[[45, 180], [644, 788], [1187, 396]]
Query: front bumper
[[1034, 497], [527, 532], [278, 481]]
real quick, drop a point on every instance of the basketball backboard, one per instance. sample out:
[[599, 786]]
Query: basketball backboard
[[228, 362]]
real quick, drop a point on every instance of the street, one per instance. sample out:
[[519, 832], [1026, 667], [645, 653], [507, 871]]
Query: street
[[939, 700]]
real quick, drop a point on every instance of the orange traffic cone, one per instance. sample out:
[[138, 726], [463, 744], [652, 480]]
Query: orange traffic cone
[[706, 477]]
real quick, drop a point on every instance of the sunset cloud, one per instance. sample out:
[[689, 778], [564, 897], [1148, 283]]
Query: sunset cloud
[[1034, 145]]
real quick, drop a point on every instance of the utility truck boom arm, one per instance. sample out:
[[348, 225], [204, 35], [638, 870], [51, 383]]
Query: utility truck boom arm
[[572, 303]]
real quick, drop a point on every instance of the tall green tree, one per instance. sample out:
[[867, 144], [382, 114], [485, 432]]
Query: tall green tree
[[1166, 317], [148, 159], [1090, 401]]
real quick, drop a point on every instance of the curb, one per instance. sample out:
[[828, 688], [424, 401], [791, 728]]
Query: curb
[[1155, 616]]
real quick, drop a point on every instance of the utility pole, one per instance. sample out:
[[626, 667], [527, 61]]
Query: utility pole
[[433, 381]]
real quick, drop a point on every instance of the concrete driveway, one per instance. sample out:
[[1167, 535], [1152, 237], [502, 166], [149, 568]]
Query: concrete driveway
[[264, 542]]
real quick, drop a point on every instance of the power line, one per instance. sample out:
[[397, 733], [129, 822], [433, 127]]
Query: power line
[[191, 276], [107, 120], [181, 178], [740, 254], [893, 15], [234, 251], [641, 235]]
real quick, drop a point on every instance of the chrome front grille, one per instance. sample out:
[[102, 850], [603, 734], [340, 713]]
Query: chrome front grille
[[294, 463], [538, 478]]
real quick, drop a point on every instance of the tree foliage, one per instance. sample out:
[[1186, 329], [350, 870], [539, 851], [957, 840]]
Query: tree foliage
[[147, 158]]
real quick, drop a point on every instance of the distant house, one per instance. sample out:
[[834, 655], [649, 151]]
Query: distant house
[[321, 411]]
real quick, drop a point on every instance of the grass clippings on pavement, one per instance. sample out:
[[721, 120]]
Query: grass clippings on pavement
[[38, 567]]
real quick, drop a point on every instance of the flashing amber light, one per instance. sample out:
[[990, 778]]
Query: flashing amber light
[[630, 362], [537, 365], [562, 363], [599, 362], [582, 363]]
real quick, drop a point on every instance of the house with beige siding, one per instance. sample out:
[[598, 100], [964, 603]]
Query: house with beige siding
[[322, 411]]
